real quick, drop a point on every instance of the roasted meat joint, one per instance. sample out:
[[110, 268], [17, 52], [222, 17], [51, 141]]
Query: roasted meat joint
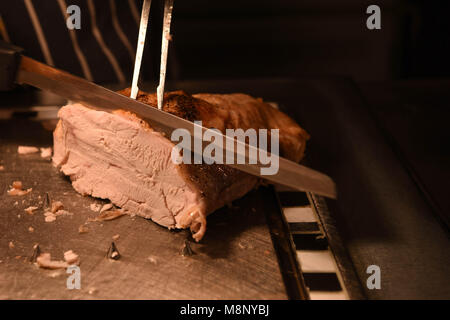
[[120, 157]]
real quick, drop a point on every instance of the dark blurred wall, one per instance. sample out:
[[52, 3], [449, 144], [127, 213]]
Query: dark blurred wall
[[261, 38], [251, 38], [429, 42]]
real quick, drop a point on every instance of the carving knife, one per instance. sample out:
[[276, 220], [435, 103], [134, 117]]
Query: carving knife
[[16, 68]]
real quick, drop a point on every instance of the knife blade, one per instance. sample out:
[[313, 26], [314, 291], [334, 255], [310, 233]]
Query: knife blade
[[77, 89]]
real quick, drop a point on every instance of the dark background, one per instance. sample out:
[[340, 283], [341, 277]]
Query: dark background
[[262, 38], [251, 38]]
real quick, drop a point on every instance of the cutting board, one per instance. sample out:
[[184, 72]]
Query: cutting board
[[235, 260]]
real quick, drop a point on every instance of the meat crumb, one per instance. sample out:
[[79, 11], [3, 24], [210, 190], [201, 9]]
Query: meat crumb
[[108, 215], [63, 213], [95, 207], [71, 257], [27, 150], [92, 291], [83, 229], [15, 192], [56, 206], [56, 211], [2, 168], [46, 152], [45, 261], [11, 245], [50, 217], [30, 210], [106, 207], [152, 260], [31, 229], [56, 274], [16, 189], [17, 185]]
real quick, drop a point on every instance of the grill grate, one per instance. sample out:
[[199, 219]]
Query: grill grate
[[317, 262]]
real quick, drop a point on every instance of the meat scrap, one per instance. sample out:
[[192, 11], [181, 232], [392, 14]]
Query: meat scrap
[[120, 157], [108, 215], [17, 185], [152, 259], [92, 291], [71, 257], [63, 213], [16, 189], [27, 150], [46, 152], [106, 207], [56, 205], [95, 207], [83, 229], [45, 261], [30, 210], [18, 192], [49, 217], [57, 209]]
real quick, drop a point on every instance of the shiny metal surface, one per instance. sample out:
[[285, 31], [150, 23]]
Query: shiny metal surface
[[140, 47], [168, 7]]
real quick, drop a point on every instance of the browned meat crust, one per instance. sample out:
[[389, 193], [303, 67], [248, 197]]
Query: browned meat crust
[[221, 184], [232, 111]]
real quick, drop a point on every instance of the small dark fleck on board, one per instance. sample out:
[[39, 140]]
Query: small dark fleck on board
[[187, 250], [113, 252], [46, 201], [36, 253]]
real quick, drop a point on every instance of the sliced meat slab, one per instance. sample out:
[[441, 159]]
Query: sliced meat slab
[[118, 156]]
